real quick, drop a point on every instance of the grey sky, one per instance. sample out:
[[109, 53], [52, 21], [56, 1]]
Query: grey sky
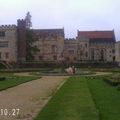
[[73, 15]]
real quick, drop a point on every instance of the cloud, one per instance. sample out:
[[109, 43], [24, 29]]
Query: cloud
[[71, 14]]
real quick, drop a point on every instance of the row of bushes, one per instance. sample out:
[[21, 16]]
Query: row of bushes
[[2, 78], [39, 65], [2, 66], [51, 64], [63, 64], [113, 80], [26, 70]]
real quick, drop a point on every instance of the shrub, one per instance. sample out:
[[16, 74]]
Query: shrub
[[2, 78], [118, 87], [113, 80]]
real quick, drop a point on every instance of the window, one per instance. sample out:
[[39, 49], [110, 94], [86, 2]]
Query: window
[[3, 43], [55, 57], [71, 51], [113, 51], [102, 55], [119, 50], [2, 34], [86, 54], [81, 53], [0, 55], [72, 46], [113, 58], [75, 58], [86, 45], [67, 58], [54, 48], [7, 55], [92, 53], [40, 57]]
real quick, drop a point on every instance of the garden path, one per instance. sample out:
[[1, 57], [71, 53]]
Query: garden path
[[29, 97]]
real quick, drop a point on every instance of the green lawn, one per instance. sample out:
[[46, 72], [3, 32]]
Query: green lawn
[[107, 99], [83, 98], [72, 102], [12, 80]]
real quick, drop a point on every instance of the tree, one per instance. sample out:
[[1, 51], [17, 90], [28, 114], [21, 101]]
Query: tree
[[30, 39], [31, 48], [28, 20]]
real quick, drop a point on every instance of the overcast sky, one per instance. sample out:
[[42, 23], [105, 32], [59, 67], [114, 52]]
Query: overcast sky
[[73, 15]]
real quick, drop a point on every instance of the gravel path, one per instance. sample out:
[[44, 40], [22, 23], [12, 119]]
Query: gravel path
[[29, 97], [23, 74], [100, 73]]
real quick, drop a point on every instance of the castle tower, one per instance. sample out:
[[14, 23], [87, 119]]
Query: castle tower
[[21, 24]]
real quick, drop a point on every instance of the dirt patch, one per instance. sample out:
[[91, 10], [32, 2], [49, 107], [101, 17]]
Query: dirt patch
[[29, 97]]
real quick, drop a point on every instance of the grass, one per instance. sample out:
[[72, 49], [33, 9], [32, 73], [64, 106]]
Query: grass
[[12, 80], [72, 102], [106, 98], [83, 98]]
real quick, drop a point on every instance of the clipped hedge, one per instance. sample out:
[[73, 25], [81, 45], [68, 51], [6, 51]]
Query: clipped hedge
[[2, 78], [47, 64], [118, 87], [2, 66], [26, 70], [113, 80]]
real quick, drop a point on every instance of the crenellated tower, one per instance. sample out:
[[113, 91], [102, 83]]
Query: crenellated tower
[[21, 25]]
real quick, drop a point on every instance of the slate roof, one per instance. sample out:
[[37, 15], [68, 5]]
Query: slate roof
[[47, 32]]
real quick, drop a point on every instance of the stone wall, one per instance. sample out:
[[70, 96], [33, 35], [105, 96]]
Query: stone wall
[[53, 46], [50, 46], [8, 43], [21, 32], [102, 52], [117, 52], [70, 50], [83, 49]]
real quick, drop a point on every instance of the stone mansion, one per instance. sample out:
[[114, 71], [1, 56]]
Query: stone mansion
[[88, 46]]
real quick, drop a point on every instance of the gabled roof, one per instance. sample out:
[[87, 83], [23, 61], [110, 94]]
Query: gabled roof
[[97, 34]]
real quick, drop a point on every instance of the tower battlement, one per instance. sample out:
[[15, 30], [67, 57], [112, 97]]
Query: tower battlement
[[20, 20], [7, 27]]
